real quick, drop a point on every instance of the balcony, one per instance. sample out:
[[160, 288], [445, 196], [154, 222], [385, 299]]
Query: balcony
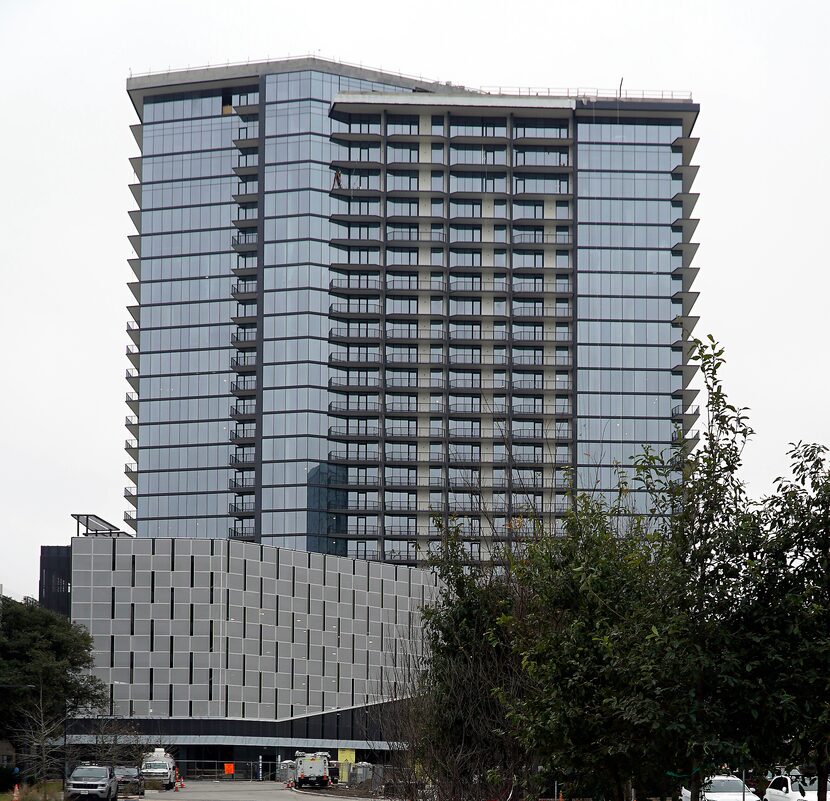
[[678, 412], [362, 531], [243, 483], [469, 285], [543, 312], [345, 455], [407, 333], [545, 361], [245, 410], [131, 423], [242, 508], [244, 290], [131, 446], [242, 459], [463, 334], [354, 382], [247, 315], [244, 386], [400, 481], [245, 362], [245, 241], [405, 432], [242, 532], [355, 358], [353, 408], [538, 238], [540, 287], [133, 330], [545, 409], [472, 505], [354, 506], [407, 285], [400, 506], [685, 438], [565, 385], [133, 377], [349, 432], [354, 333], [245, 268], [355, 310], [247, 219], [464, 433], [133, 354], [244, 338], [356, 285], [243, 435], [406, 235], [394, 455], [522, 335], [247, 164], [400, 556]]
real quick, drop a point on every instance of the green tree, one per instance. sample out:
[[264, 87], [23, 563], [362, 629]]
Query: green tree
[[585, 624], [459, 739], [50, 654], [797, 567]]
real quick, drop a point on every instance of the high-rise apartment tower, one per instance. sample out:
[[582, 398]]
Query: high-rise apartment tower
[[366, 300]]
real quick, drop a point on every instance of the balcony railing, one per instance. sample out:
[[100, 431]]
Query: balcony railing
[[243, 409], [542, 311], [241, 507], [358, 382], [244, 361], [346, 406], [348, 308], [355, 283], [242, 432], [244, 484], [245, 384], [414, 236], [242, 458], [538, 238], [245, 240], [345, 455], [356, 333], [242, 532]]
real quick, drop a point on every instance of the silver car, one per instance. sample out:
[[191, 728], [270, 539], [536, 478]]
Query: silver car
[[98, 781]]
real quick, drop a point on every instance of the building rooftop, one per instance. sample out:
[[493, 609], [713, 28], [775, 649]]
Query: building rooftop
[[215, 76]]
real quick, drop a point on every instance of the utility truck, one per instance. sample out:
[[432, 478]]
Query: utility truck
[[160, 766], [313, 769]]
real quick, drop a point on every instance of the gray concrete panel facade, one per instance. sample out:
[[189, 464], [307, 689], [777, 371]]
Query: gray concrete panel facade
[[226, 630]]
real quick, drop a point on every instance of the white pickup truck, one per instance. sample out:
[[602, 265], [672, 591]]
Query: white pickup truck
[[160, 766]]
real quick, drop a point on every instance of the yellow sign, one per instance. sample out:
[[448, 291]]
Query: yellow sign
[[345, 755]]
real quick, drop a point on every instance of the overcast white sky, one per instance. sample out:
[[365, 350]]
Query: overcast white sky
[[759, 69]]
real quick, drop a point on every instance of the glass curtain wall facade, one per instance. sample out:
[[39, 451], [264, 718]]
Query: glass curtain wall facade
[[229, 336], [366, 300], [633, 226]]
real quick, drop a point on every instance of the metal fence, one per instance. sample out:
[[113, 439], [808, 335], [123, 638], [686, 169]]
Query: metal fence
[[238, 770]]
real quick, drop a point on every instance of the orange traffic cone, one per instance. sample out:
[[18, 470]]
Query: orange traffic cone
[[16, 794]]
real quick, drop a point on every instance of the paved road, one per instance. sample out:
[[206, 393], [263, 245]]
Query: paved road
[[224, 791]]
